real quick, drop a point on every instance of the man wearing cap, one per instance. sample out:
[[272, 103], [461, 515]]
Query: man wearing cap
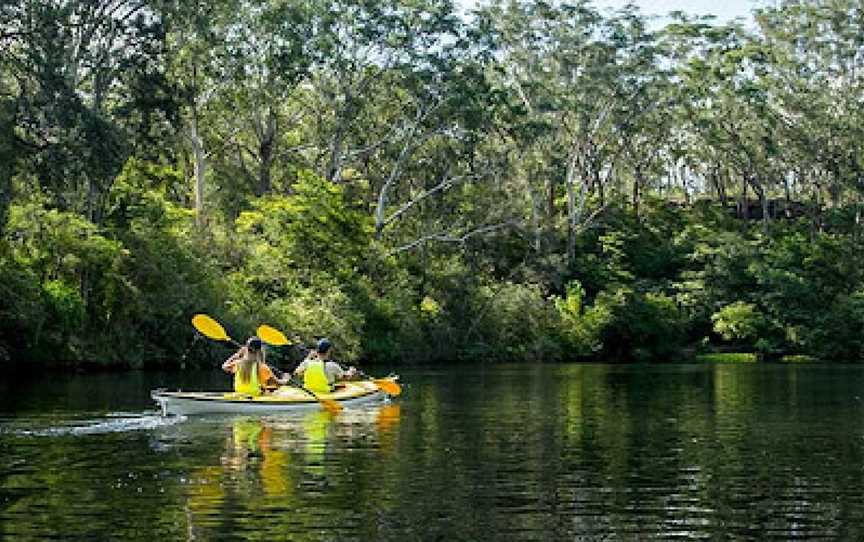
[[319, 373]]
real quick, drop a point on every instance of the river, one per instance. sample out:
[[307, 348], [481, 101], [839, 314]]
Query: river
[[502, 452]]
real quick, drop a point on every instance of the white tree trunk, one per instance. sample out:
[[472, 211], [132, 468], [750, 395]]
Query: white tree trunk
[[200, 168], [572, 211]]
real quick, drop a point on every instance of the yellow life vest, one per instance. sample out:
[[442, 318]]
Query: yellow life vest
[[252, 387], [315, 379]]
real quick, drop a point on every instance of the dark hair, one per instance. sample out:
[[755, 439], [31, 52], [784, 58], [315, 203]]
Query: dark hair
[[253, 355], [323, 346]]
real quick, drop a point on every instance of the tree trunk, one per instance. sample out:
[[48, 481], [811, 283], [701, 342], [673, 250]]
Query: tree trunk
[[94, 201], [858, 218], [719, 185], [536, 210], [598, 184], [266, 147], [200, 167], [744, 212], [763, 200], [637, 180], [334, 168], [5, 200], [683, 172], [834, 190], [816, 207], [571, 208], [766, 212]]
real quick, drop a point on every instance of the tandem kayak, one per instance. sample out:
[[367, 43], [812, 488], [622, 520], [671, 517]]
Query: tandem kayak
[[285, 399]]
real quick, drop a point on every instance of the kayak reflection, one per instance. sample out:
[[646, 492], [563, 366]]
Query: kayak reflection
[[276, 462], [252, 444]]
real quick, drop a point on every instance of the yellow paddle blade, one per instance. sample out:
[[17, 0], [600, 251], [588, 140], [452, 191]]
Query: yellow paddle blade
[[209, 327], [388, 386], [271, 335]]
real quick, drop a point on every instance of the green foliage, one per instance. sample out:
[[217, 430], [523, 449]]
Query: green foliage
[[838, 335], [738, 321], [61, 245], [580, 328], [516, 323], [621, 324], [320, 311], [640, 326], [544, 181], [728, 357], [313, 228], [297, 266], [23, 313], [65, 304], [74, 261]]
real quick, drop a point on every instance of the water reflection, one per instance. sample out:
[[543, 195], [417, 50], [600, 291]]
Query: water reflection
[[587, 452], [272, 467]]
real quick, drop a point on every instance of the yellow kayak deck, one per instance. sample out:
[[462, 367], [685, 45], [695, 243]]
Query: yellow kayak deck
[[293, 394]]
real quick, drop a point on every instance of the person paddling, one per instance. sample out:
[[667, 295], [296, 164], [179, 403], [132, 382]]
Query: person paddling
[[319, 373], [251, 373]]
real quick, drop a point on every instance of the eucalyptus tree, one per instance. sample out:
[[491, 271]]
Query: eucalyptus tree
[[727, 104], [198, 63], [444, 171], [815, 80], [9, 150], [354, 47], [521, 44], [86, 89], [686, 42], [641, 131], [586, 77], [255, 114], [394, 101]]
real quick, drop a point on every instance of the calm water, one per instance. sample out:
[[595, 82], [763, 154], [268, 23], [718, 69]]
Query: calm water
[[585, 452]]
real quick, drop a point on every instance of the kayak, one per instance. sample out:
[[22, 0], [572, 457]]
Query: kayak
[[284, 399]]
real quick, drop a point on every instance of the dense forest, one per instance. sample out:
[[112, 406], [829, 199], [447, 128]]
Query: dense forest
[[529, 180]]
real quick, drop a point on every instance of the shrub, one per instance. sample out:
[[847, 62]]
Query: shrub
[[738, 321]]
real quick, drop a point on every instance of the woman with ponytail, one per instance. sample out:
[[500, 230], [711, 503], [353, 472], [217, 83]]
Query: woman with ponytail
[[251, 373]]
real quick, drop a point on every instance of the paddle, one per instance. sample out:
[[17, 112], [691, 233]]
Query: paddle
[[209, 327], [275, 337]]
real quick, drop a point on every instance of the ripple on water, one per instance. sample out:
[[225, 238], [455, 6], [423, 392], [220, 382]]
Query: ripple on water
[[113, 422]]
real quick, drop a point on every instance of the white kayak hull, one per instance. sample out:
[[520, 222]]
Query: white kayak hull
[[286, 399]]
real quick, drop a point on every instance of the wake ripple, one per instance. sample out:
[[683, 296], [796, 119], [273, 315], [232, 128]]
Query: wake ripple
[[115, 422]]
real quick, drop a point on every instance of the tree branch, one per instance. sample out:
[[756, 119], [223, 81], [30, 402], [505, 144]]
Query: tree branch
[[446, 183], [445, 238]]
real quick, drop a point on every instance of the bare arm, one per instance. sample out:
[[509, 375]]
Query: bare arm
[[302, 367], [230, 363], [336, 372]]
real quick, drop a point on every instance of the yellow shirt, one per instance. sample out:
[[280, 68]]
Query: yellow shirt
[[257, 381]]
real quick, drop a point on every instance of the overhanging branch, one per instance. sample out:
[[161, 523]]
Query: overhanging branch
[[446, 238], [446, 183]]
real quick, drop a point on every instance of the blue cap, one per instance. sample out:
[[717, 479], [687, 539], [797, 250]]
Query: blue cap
[[323, 346], [254, 343]]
